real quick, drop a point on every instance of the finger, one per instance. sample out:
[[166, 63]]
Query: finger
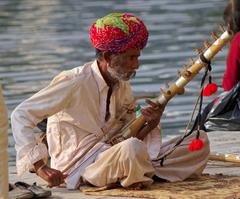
[[155, 110], [54, 181], [147, 112], [147, 115], [63, 176], [50, 185], [60, 178], [52, 176], [58, 181], [156, 105], [58, 173], [150, 114], [153, 104], [150, 111], [55, 177]]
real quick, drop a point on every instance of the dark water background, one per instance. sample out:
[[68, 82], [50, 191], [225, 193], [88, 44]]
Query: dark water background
[[40, 38]]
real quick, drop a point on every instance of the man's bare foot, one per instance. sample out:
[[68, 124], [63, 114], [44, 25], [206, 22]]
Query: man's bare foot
[[106, 187], [137, 186]]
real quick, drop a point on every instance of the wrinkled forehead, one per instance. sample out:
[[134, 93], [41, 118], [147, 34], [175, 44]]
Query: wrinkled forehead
[[129, 52]]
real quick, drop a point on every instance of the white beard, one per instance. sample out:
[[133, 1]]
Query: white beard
[[120, 76]]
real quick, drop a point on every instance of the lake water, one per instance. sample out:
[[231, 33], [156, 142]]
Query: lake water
[[40, 38]]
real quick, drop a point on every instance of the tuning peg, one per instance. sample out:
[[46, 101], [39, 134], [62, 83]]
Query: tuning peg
[[166, 84], [198, 51], [162, 91], [179, 74], [207, 44], [214, 36], [221, 28], [186, 73], [191, 61], [165, 93], [185, 67]]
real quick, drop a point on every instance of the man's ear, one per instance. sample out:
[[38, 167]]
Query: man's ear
[[106, 56]]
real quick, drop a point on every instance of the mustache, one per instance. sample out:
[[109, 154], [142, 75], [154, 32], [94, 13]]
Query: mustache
[[132, 74], [120, 74]]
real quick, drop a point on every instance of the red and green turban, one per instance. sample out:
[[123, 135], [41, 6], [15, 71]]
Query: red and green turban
[[118, 32]]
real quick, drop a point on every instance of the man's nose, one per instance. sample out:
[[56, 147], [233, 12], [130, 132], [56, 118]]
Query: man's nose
[[135, 65]]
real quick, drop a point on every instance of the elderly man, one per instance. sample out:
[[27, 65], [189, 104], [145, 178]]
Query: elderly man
[[81, 103]]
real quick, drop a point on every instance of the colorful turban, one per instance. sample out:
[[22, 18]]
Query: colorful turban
[[118, 32]]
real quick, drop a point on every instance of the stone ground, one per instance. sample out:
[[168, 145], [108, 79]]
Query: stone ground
[[222, 142]]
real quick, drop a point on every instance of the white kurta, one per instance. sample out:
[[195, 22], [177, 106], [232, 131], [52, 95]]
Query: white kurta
[[75, 105]]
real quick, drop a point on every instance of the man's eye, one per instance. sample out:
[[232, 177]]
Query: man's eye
[[133, 57]]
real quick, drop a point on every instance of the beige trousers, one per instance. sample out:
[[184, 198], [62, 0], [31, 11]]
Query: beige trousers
[[128, 162]]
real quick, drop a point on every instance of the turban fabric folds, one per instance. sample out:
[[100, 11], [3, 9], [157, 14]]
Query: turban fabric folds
[[117, 32]]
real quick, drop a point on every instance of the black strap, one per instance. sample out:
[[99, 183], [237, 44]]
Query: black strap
[[107, 115], [208, 69], [204, 59]]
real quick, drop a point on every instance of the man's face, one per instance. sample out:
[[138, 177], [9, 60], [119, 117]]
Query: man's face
[[123, 66]]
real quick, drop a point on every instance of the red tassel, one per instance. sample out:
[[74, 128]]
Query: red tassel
[[196, 145], [210, 89]]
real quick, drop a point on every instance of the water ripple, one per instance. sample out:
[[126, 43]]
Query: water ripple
[[41, 38]]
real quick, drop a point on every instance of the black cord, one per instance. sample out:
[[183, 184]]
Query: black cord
[[198, 117]]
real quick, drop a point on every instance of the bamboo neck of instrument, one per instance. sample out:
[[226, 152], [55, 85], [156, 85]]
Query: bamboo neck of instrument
[[135, 127], [188, 74]]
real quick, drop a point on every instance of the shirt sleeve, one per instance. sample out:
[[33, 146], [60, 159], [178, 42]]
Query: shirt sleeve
[[232, 73], [25, 117]]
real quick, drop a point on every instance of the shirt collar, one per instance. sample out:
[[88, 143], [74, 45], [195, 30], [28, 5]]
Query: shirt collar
[[99, 78]]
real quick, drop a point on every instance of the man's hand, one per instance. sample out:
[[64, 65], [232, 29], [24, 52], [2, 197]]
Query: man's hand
[[52, 176], [153, 113]]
